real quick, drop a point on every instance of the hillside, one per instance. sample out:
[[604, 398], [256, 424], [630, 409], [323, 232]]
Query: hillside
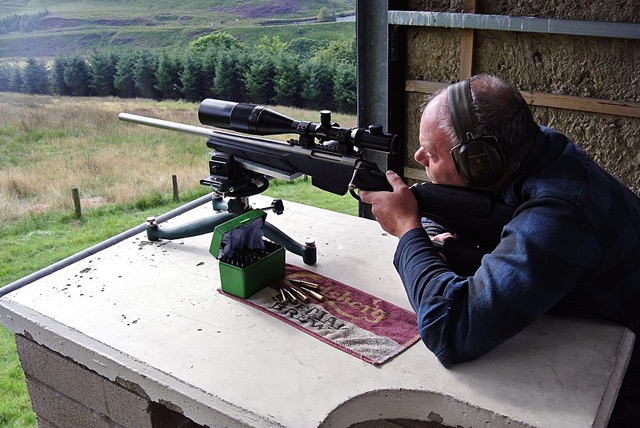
[[44, 29]]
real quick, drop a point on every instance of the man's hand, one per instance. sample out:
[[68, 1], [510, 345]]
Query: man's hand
[[438, 240], [397, 211]]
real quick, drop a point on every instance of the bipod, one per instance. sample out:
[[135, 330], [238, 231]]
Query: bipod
[[225, 211]]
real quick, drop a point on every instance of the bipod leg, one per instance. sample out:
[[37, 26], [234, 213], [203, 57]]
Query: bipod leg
[[307, 250], [186, 230]]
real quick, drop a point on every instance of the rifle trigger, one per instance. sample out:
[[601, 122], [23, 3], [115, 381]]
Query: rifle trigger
[[352, 185]]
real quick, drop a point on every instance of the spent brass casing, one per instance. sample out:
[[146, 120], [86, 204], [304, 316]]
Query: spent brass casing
[[290, 297], [319, 297], [295, 290]]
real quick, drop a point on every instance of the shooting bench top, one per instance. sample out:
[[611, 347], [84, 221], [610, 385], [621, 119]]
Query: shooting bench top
[[137, 334]]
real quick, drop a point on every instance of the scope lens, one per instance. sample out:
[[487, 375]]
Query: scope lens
[[216, 113]]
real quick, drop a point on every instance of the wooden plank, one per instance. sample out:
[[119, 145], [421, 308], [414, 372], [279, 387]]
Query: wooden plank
[[467, 43], [424, 86], [466, 54], [594, 105], [542, 99], [415, 173], [469, 6]]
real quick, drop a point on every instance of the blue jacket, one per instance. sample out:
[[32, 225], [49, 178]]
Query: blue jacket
[[573, 245]]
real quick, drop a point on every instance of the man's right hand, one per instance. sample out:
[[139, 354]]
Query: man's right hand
[[397, 211]]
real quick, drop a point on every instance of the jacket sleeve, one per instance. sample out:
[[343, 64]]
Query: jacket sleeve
[[544, 252]]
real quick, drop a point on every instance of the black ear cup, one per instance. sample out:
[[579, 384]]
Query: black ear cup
[[478, 158], [479, 161]]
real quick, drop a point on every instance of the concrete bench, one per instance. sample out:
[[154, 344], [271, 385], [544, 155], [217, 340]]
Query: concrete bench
[[136, 335]]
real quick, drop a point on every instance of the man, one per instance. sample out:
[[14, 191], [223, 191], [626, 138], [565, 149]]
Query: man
[[573, 244]]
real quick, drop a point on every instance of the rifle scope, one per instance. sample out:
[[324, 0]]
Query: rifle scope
[[258, 120]]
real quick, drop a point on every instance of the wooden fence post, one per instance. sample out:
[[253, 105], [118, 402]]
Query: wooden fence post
[[176, 194], [76, 202]]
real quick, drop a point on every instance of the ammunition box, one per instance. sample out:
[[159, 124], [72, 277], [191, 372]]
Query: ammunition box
[[250, 270]]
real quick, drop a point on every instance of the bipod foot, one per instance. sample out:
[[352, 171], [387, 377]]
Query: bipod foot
[[307, 251]]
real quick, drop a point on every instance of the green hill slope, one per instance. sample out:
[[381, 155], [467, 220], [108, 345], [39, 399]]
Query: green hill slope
[[49, 28]]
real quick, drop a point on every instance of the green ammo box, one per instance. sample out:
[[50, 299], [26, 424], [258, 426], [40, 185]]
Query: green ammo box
[[251, 270]]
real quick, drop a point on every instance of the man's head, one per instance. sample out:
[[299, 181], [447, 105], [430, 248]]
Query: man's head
[[497, 109]]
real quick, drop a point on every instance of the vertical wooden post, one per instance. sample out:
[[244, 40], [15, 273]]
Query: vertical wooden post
[[75, 194], [176, 194], [467, 44]]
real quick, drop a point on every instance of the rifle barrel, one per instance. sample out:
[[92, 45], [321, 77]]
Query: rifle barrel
[[167, 124]]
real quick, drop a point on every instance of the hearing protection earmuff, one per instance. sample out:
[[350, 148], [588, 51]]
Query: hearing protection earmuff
[[478, 158]]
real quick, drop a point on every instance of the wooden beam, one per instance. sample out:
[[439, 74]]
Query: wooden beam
[[467, 44], [594, 105], [415, 174], [424, 86], [542, 99]]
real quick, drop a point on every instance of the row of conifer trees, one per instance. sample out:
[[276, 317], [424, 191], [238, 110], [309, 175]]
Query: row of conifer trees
[[302, 73]]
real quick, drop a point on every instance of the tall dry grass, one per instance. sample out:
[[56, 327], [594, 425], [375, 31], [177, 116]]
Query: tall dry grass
[[48, 145]]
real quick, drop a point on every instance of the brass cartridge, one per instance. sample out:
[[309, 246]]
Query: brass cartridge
[[319, 297], [305, 283], [290, 297], [299, 293]]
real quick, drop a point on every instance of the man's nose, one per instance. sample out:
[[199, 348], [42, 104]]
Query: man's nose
[[420, 157]]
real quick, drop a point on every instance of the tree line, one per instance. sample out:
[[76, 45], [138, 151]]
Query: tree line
[[21, 23], [302, 73]]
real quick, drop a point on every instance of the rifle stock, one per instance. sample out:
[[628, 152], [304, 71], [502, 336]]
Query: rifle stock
[[473, 215]]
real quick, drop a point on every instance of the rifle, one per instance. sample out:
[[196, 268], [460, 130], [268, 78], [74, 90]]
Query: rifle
[[334, 157]]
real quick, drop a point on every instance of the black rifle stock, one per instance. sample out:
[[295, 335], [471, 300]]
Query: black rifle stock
[[473, 215], [475, 218]]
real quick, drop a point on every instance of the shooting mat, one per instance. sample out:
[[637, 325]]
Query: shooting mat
[[348, 319]]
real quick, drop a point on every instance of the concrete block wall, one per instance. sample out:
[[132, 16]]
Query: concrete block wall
[[67, 394]]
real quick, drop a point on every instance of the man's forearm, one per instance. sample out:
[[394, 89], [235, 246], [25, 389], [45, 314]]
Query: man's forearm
[[425, 276]]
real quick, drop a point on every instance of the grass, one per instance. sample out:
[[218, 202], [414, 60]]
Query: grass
[[15, 406], [48, 144], [301, 191], [163, 9], [250, 36]]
